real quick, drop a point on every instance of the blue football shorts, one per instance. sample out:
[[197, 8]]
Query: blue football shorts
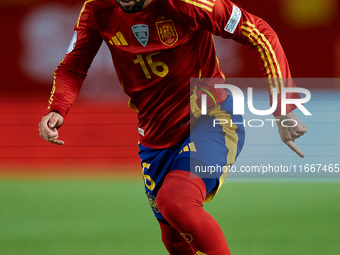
[[214, 143]]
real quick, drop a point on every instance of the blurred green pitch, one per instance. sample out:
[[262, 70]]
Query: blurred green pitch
[[112, 216]]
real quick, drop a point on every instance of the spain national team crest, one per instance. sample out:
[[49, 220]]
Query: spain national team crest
[[167, 32], [152, 201], [141, 32]]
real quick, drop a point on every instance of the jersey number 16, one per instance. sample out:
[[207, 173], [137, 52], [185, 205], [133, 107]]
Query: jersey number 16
[[162, 70]]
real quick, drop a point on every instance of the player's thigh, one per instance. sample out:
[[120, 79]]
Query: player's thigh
[[156, 164]]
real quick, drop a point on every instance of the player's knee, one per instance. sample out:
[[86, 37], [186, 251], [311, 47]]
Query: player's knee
[[180, 195], [168, 202], [172, 202]]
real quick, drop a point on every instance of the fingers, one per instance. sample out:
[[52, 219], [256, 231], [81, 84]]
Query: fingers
[[48, 134], [58, 142], [294, 148], [52, 136], [55, 120], [48, 128], [294, 135], [300, 130], [289, 134]]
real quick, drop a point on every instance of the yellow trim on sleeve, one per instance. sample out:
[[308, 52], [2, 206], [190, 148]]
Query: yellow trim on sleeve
[[50, 101], [272, 66], [269, 72], [82, 10], [207, 2], [198, 5], [269, 46]]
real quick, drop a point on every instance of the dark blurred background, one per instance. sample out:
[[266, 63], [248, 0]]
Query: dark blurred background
[[36, 34]]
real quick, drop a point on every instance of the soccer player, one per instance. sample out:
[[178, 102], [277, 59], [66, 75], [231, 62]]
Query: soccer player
[[156, 47]]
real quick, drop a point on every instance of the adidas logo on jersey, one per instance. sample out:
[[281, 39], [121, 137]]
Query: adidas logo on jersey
[[118, 39]]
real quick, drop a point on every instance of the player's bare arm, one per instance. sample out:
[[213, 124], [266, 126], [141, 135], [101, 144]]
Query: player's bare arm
[[48, 127], [289, 134]]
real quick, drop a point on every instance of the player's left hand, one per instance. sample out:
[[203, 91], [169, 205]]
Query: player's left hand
[[289, 134], [48, 127]]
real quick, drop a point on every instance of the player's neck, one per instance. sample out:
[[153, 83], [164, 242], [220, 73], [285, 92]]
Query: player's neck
[[146, 3]]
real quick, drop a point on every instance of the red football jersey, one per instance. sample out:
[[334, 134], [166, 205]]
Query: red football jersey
[[155, 53]]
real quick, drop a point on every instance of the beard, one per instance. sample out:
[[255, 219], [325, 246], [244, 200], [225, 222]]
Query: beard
[[132, 9]]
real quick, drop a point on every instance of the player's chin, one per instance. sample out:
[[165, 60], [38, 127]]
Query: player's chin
[[130, 6], [128, 10]]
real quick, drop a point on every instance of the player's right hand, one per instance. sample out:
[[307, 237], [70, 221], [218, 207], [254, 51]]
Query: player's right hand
[[48, 127], [290, 134]]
